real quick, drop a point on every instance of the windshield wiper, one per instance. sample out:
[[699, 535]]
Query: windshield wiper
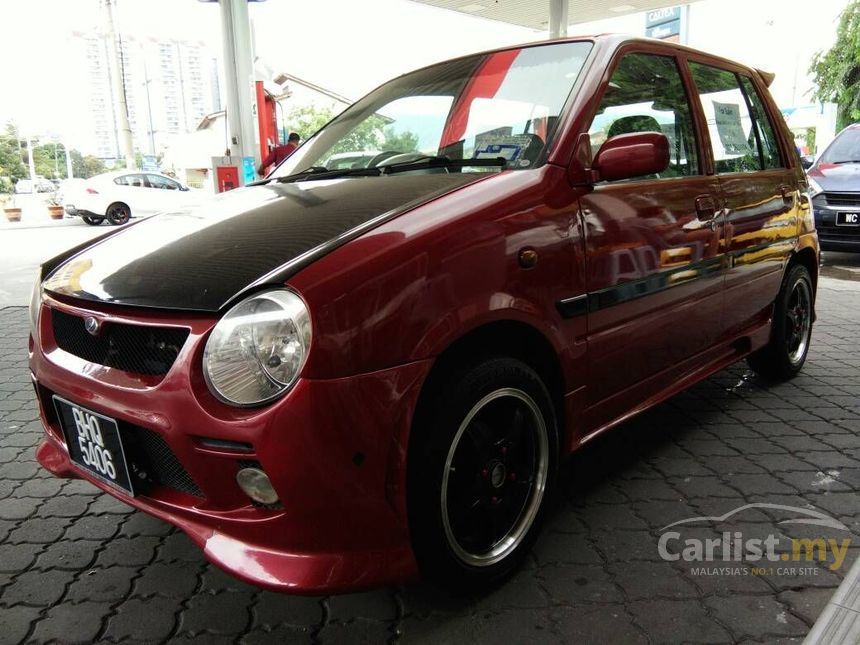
[[846, 161], [422, 163], [307, 171], [441, 161]]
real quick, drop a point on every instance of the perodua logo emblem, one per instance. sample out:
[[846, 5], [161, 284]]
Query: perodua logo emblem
[[92, 325]]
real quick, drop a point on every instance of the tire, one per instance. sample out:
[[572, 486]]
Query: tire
[[481, 465], [118, 213], [784, 355], [93, 220]]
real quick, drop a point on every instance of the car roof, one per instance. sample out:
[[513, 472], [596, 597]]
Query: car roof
[[615, 41], [113, 174]]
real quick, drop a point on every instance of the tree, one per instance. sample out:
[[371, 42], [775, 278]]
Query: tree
[[307, 120], [837, 71], [86, 166], [374, 133], [11, 164], [50, 160], [401, 141]]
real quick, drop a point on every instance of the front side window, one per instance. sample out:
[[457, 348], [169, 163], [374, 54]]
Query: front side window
[[157, 181], [646, 94], [739, 144], [503, 104]]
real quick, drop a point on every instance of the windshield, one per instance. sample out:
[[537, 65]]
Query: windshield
[[504, 104], [844, 149]]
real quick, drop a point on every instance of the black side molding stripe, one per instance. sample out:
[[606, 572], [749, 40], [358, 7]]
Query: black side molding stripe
[[573, 307], [615, 295], [620, 293]]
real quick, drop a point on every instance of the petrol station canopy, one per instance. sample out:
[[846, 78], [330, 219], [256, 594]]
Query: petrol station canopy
[[552, 15]]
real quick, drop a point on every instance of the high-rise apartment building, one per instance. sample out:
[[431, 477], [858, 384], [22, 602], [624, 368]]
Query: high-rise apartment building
[[169, 86]]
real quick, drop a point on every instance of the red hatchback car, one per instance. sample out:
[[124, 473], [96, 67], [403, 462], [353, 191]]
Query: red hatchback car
[[341, 378]]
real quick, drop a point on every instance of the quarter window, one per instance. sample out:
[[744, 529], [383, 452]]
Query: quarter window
[[739, 141], [646, 94]]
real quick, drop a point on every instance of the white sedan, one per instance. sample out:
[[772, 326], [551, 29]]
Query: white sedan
[[119, 196]]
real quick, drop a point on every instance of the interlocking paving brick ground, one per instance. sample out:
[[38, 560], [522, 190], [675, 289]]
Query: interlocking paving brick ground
[[78, 566]]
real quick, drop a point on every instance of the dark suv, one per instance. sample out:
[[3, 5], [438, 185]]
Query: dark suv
[[834, 185]]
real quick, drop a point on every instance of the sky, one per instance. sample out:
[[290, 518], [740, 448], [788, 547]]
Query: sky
[[351, 46]]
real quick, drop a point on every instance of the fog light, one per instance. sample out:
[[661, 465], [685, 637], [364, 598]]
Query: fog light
[[256, 485]]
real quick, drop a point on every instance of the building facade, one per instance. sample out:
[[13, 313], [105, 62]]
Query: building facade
[[169, 86]]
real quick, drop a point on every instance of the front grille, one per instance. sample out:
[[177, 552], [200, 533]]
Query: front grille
[[152, 462], [838, 231], [843, 199], [132, 348]]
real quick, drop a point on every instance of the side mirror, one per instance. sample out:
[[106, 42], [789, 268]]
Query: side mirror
[[807, 161], [631, 155]]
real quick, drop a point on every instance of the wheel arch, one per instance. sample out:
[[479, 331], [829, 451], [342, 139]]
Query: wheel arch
[[808, 258], [506, 337]]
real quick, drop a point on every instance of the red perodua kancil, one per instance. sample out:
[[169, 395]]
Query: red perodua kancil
[[348, 374]]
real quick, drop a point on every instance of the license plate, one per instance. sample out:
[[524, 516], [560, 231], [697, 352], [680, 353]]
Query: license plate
[[847, 219], [94, 443]]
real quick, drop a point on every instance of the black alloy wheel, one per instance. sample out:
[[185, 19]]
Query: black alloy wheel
[[118, 213], [482, 460], [791, 331]]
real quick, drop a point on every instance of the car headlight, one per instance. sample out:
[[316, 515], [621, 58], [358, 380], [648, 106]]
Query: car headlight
[[35, 304], [257, 350], [814, 188]]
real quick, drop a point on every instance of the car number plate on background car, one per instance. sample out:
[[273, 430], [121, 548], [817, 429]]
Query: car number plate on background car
[[94, 443], [847, 219]]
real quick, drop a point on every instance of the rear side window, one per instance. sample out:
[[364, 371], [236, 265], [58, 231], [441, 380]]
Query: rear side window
[[130, 180], [740, 142], [646, 94], [764, 128]]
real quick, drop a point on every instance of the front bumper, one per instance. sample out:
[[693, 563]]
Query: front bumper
[[830, 236], [333, 449]]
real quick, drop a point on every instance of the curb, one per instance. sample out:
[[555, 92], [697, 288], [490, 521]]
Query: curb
[[840, 620]]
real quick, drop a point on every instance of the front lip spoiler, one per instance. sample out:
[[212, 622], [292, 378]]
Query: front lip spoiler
[[304, 573]]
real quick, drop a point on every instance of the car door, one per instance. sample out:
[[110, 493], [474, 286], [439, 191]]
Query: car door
[[165, 193], [759, 192], [131, 189], [654, 272]]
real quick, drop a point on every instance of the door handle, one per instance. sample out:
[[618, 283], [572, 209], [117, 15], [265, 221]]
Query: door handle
[[706, 208], [787, 195]]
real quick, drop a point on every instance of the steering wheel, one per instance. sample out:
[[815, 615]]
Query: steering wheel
[[390, 157], [382, 156]]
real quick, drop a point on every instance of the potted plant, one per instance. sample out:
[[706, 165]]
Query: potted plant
[[12, 211], [55, 208]]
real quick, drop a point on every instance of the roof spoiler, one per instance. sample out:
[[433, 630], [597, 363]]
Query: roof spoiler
[[767, 77]]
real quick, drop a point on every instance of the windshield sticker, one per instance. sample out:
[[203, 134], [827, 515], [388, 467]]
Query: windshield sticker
[[493, 150], [730, 129], [509, 146]]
